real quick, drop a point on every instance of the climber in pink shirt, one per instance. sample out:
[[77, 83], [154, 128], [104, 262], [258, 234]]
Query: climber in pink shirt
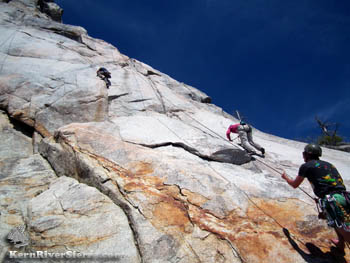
[[245, 134], [233, 128]]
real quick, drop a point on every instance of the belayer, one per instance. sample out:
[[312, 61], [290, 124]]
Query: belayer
[[328, 186], [245, 135], [105, 75]]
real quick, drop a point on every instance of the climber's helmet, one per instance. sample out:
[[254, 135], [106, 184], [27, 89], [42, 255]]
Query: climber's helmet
[[313, 149]]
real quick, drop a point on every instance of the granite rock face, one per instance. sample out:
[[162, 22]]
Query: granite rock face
[[77, 217], [40, 211], [23, 175], [141, 170]]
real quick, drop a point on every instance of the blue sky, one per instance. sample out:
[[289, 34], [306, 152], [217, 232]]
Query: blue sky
[[280, 63]]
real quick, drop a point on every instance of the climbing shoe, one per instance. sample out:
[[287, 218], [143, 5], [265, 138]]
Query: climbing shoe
[[262, 151]]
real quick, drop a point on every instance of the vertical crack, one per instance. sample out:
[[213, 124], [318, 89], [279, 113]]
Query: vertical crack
[[82, 176], [127, 210], [235, 251]]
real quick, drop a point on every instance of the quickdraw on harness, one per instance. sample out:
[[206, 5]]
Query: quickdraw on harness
[[335, 208]]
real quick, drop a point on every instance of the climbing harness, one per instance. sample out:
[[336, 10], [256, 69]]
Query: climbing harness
[[335, 208]]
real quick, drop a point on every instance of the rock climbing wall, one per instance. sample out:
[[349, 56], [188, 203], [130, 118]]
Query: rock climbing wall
[[141, 171]]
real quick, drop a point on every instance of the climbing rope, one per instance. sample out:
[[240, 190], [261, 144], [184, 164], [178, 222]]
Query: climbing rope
[[10, 35], [8, 49], [269, 166], [138, 85]]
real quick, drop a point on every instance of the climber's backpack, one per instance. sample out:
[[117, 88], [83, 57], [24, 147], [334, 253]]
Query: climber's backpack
[[247, 128]]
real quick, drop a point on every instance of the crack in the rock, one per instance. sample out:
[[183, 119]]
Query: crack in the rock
[[52, 104], [60, 204], [28, 34], [21, 127], [150, 73], [91, 48], [113, 97], [84, 56], [139, 100], [180, 189], [158, 94], [150, 82], [126, 205], [185, 204], [123, 205], [69, 34], [106, 180], [97, 98], [177, 145], [235, 251], [127, 210], [192, 249], [39, 58]]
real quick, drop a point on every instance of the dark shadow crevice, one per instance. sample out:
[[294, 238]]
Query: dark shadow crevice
[[22, 127], [232, 156]]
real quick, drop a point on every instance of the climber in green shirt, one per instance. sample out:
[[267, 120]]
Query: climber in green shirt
[[328, 186]]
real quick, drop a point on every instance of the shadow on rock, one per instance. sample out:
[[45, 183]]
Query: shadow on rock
[[235, 156], [316, 255]]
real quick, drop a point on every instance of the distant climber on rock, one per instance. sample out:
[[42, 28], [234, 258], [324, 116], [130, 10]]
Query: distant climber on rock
[[245, 135], [328, 186], [105, 75]]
